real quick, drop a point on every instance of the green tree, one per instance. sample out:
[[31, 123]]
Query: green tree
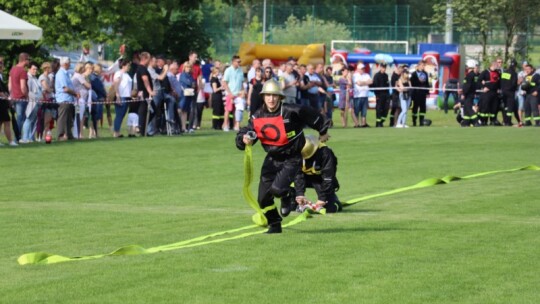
[[479, 16], [309, 30]]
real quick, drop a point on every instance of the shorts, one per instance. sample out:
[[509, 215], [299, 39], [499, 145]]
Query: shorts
[[238, 115], [133, 120], [240, 103], [229, 104]]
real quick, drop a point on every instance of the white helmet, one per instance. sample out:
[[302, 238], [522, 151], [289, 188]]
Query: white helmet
[[471, 63]]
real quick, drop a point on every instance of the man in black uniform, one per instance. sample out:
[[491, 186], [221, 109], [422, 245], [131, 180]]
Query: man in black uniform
[[489, 82], [382, 95], [319, 166], [419, 79], [509, 87], [395, 108], [469, 91], [279, 127], [531, 88]]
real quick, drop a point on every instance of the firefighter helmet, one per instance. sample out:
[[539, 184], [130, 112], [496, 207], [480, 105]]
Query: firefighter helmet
[[272, 87], [310, 147], [471, 63]]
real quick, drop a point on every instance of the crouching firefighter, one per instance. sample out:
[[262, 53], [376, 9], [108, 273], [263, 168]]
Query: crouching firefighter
[[319, 166], [279, 127]]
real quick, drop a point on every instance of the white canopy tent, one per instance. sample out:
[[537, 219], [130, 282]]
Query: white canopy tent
[[13, 28]]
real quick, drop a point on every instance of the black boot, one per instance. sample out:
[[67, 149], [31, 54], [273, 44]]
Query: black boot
[[274, 228]]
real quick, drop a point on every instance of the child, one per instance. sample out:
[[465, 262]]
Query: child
[[240, 106], [133, 118]]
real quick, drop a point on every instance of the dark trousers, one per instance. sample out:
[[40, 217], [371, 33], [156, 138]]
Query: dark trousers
[[277, 174], [445, 101], [530, 106], [469, 116], [486, 105], [66, 112], [509, 100], [218, 110], [382, 107], [314, 101], [418, 109], [395, 107], [143, 112]]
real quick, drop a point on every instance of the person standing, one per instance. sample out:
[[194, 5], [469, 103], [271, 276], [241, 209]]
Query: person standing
[[344, 84], [288, 84], [254, 100], [34, 97], [489, 82], [280, 128], [18, 86], [420, 81], [508, 89], [395, 107], [4, 107], [531, 89], [123, 85], [145, 89], [404, 88], [218, 109], [470, 118], [47, 108], [65, 98], [98, 97], [233, 80], [382, 94], [361, 82], [187, 82]]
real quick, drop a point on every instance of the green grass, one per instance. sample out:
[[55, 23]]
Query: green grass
[[473, 241]]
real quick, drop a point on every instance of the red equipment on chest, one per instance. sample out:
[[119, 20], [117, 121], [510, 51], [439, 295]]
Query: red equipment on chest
[[271, 130], [494, 76]]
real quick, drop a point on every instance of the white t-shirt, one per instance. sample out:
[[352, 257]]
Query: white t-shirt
[[361, 91], [125, 85], [290, 91]]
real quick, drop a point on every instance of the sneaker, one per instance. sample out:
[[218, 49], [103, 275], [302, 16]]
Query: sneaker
[[399, 126], [13, 144], [405, 126], [191, 131], [22, 141], [226, 129], [274, 228]]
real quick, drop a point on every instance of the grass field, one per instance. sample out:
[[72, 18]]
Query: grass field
[[473, 241]]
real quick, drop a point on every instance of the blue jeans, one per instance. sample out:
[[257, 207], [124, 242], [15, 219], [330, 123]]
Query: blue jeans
[[360, 106], [405, 104], [29, 125], [120, 111], [20, 109]]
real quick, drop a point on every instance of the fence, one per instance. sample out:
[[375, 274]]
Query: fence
[[228, 26]]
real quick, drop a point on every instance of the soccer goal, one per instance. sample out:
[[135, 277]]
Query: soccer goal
[[375, 46]]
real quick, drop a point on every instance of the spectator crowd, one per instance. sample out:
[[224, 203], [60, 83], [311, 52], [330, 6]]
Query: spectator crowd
[[156, 95]]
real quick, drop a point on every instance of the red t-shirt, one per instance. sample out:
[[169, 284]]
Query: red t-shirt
[[15, 75], [195, 71]]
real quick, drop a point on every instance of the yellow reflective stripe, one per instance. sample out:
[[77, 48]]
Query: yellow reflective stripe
[[533, 84], [217, 117], [291, 134], [266, 209], [506, 76]]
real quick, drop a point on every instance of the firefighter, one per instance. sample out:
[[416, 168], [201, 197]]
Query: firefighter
[[279, 127], [420, 83], [531, 88], [489, 82], [382, 95], [319, 166], [509, 87], [469, 90]]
